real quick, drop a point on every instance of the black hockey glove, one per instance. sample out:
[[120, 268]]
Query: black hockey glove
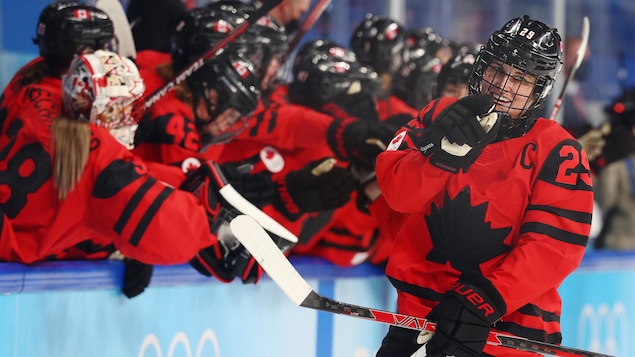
[[359, 141], [228, 258], [457, 136], [360, 105], [320, 185], [136, 277], [258, 188], [464, 318]]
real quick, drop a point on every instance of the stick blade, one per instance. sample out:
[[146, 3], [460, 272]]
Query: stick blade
[[256, 240], [234, 198]]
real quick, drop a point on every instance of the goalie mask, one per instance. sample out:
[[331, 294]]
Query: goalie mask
[[518, 67], [102, 88]]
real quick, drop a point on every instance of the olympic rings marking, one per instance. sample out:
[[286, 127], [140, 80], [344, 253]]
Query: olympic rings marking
[[604, 329], [180, 338]]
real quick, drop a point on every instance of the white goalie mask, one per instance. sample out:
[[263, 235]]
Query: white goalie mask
[[103, 87]]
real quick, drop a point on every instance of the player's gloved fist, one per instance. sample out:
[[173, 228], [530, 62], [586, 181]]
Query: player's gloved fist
[[320, 185], [228, 258], [136, 277], [359, 141], [257, 188], [464, 318], [457, 136]]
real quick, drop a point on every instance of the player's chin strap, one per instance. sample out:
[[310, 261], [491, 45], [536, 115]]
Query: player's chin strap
[[513, 128]]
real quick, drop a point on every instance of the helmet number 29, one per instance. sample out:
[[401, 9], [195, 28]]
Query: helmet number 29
[[527, 33]]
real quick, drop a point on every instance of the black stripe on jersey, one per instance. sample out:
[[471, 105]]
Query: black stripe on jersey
[[555, 233], [530, 333], [132, 204], [576, 216], [427, 117], [534, 310], [273, 121], [147, 217], [415, 290]]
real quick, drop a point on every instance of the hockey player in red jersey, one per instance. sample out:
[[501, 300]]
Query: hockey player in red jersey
[[285, 142], [210, 106], [66, 178], [499, 204], [325, 76], [64, 29], [378, 42]]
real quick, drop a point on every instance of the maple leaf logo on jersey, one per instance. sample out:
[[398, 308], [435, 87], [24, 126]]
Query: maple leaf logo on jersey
[[461, 235]]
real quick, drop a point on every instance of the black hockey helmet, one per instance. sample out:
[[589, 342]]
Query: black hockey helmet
[[457, 71], [415, 81], [199, 29], [421, 41], [264, 41], [378, 42], [232, 76], [527, 45], [324, 69], [66, 29]]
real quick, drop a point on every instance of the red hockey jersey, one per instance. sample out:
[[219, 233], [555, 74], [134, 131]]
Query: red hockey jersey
[[520, 215], [116, 197]]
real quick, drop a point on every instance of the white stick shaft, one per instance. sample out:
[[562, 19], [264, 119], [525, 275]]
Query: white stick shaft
[[275, 264]]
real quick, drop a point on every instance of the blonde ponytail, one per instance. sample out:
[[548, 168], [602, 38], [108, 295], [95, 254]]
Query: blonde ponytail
[[71, 142]]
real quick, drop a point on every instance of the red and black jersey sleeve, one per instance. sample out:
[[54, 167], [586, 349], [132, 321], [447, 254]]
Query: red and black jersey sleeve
[[167, 133], [116, 197]]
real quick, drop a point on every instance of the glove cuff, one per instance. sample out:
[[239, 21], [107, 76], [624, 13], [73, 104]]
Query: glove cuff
[[336, 137], [284, 203], [483, 300]]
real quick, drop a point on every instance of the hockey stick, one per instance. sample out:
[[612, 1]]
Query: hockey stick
[[579, 56], [281, 271], [313, 16], [149, 100], [286, 67], [236, 200]]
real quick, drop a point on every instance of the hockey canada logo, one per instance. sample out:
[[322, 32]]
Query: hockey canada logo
[[396, 141], [274, 162], [181, 343], [604, 329]]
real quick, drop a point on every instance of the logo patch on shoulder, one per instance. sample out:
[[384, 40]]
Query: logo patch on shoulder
[[396, 141], [274, 162], [190, 164]]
